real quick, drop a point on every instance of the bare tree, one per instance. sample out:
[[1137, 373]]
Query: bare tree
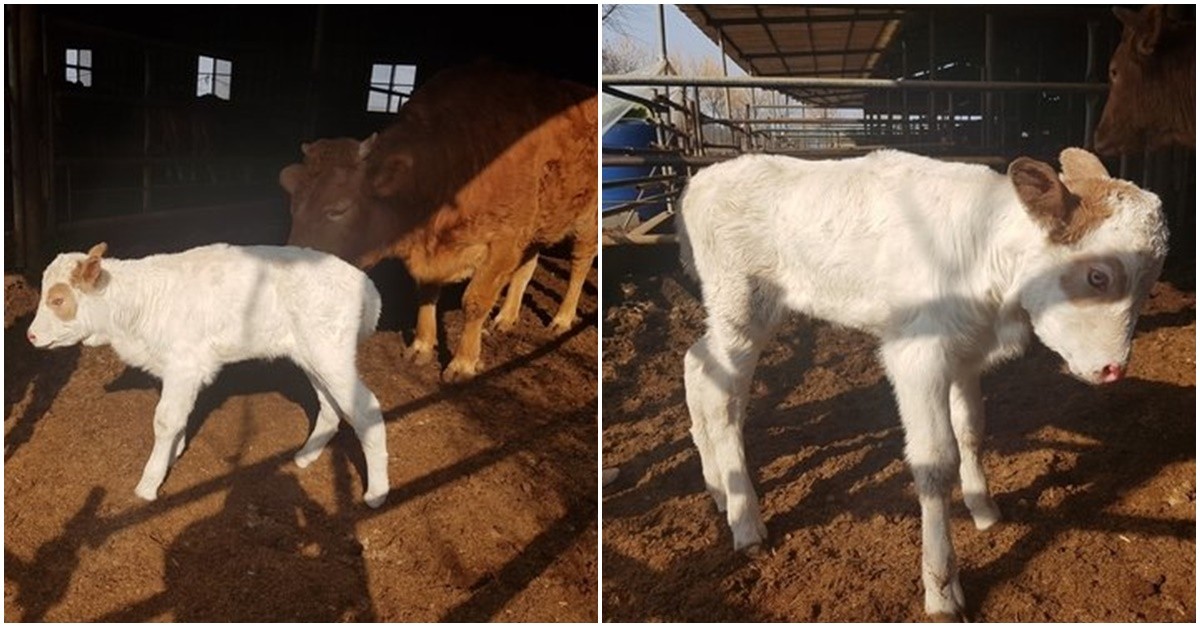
[[712, 99], [615, 18], [621, 55]]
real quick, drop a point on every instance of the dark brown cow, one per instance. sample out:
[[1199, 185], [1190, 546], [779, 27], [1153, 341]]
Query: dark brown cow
[[1152, 98], [484, 166]]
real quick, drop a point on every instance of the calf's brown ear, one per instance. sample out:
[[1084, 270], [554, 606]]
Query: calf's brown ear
[[1146, 25], [289, 177], [88, 275], [1079, 164], [1044, 196]]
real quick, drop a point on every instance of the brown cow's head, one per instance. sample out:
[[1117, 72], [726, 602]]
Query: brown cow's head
[[1152, 82], [335, 208]]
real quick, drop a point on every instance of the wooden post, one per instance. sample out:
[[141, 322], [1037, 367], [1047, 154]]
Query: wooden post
[[28, 161]]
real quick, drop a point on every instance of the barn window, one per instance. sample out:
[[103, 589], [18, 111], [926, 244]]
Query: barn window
[[214, 77], [79, 66], [391, 86]]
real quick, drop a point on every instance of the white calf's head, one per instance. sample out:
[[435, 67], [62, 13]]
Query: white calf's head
[[1105, 241], [70, 285]]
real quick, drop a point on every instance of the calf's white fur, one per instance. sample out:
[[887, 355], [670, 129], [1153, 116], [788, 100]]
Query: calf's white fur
[[949, 265], [182, 317]]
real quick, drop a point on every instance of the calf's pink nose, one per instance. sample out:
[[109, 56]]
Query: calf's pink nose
[[1112, 372], [31, 336]]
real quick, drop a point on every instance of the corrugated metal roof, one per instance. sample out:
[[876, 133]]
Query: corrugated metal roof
[[792, 40]]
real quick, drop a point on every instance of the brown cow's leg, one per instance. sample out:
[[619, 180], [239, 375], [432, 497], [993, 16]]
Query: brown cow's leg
[[581, 262], [478, 301], [422, 348], [511, 311]]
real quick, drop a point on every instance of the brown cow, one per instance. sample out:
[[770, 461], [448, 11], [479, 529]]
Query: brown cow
[[483, 166], [1152, 98]]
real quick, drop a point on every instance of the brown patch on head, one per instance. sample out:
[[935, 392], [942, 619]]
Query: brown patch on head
[[1066, 209], [320, 157], [342, 151], [61, 300], [87, 276], [1096, 279]]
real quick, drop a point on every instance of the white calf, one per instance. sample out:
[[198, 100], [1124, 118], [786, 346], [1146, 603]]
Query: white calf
[[181, 317], [949, 265]]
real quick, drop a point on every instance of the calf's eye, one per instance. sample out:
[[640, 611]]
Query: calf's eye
[[56, 302], [1097, 279]]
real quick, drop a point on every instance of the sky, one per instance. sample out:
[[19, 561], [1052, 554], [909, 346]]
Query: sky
[[684, 39]]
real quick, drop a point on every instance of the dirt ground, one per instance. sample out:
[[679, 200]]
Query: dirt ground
[[1097, 485], [491, 516]]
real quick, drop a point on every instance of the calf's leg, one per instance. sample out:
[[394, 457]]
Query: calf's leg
[[170, 419], [511, 310], [582, 255], [966, 414], [324, 429], [422, 348], [917, 366], [717, 373], [478, 301], [347, 393]]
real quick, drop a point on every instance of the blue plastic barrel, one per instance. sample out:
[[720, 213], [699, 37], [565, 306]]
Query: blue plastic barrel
[[627, 133]]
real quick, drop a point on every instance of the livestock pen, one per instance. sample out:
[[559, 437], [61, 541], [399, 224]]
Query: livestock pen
[[491, 512], [1096, 487]]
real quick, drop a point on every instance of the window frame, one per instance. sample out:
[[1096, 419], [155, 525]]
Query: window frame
[[395, 89], [84, 73], [209, 80]]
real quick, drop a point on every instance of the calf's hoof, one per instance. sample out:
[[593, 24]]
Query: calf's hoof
[[983, 511], [503, 324], [749, 537], [419, 353], [947, 603], [754, 552], [146, 493], [375, 500], [304, 458], [558, 326], [459, 371]]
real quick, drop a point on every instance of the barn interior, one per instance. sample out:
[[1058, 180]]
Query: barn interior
[[160, 128], [821, 82], [164, 127]]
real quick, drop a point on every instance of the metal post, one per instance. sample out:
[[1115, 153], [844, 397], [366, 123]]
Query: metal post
[[904, 95], [725, 72], [988, 75], [48, 172], [29, 212], [932, 76], [662, 34], [146, 169], [950, 122], [1090, 102], [312, 101], [753, 105]]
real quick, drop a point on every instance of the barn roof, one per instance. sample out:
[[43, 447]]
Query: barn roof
[[782, 40], [865, 41]]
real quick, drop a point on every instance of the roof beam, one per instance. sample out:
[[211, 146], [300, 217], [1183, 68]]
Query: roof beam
[[730, 42], [797, 54], [801, 19], [771, 36]]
